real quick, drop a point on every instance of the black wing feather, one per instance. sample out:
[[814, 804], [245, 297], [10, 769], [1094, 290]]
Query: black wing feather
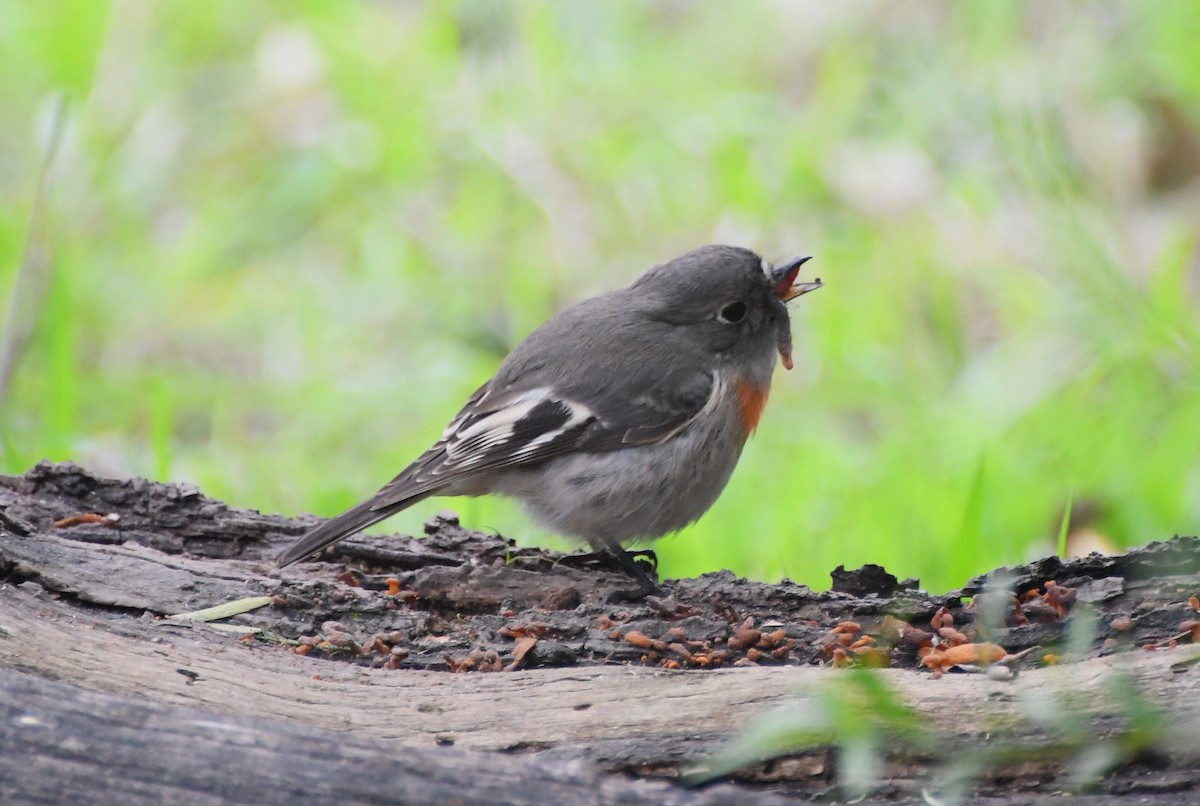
[[517, 427]]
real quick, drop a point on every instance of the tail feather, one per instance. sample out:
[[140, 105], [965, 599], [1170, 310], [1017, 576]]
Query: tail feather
[[355, 519]]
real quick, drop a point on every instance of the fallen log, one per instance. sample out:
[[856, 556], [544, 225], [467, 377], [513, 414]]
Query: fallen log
[[344, 682]]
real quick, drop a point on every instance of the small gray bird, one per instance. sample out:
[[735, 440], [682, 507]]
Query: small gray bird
[[622, 418]]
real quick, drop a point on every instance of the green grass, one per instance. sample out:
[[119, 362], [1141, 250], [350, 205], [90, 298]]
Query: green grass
[[868, 723], [291, 237]]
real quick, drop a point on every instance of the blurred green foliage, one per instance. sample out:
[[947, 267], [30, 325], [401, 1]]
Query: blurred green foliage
[[1089, 723], [1086, 730], [290, 237]]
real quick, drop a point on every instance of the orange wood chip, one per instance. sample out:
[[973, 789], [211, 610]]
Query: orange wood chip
[[743, 637], [981, 654], [639, 639], [520, 650], [680, 650], [86, 517]]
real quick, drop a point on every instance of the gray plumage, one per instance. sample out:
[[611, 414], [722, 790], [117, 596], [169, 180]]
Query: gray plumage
[[619, 419]]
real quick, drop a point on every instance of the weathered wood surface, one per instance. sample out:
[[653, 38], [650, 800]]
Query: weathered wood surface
[[62, 744], [82, 605]]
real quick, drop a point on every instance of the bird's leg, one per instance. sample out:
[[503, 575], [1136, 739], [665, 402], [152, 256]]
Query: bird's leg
[[645, 585], [608, 557], [644, 554], [625, 561], [581, 559]]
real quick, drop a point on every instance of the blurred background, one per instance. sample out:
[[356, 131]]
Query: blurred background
[[281, 242]]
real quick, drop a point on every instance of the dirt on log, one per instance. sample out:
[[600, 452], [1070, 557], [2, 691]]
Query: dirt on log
[[461, 668]]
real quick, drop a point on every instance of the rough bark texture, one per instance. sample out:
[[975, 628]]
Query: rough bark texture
[[103, 699]]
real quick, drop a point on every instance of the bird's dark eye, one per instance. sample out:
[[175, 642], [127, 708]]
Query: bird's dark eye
[[733, 313]]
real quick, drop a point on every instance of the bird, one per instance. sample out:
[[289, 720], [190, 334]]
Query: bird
[[622, 418]]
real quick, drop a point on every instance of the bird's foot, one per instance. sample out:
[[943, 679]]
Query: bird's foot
[[610, 558], [627, 561], [646, 586]]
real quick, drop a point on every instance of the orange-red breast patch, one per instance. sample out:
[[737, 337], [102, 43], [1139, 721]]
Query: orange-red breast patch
[[751, 401]]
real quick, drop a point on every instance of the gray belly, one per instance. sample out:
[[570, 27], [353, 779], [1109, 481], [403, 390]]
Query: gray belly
[[629, 495]]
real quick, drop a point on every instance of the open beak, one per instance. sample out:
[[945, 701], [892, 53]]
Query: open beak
[[784, 278]]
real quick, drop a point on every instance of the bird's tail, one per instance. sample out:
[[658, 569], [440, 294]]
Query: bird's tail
[[355, 519]]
